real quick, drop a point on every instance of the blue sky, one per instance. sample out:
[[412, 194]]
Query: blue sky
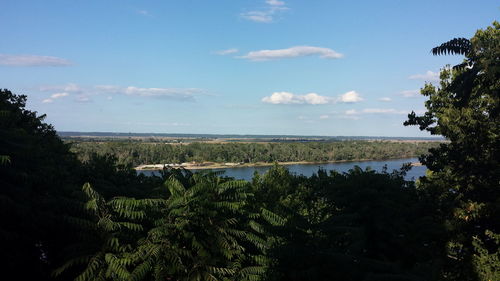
[[320, 67]]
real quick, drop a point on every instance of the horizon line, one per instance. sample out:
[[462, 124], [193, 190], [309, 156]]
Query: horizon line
[[103, 133]]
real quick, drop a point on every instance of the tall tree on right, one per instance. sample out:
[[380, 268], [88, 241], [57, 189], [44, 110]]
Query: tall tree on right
[[463, 182]]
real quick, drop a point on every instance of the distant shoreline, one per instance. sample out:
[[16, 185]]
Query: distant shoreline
[[212, 165], [236, 136]]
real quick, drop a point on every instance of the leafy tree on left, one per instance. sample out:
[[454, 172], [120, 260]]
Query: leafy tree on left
[[36, 184], [40, 187]]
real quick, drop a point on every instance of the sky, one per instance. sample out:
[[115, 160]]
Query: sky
[[294, 67]]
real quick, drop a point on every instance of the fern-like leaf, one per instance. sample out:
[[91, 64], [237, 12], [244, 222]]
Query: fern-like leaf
[[456, 46]]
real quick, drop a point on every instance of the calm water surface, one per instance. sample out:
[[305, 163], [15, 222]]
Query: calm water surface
[[246, 173]]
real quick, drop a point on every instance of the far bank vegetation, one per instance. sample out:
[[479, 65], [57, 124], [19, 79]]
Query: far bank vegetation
[[132, 153]]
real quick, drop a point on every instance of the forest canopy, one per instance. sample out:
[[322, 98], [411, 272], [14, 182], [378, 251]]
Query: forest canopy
[[136, 153]]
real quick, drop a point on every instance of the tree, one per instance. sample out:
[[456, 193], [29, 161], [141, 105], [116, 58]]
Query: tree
[[464, 177], [204, 227], [40, 188], [4, 159], [359, 225], [36, 186]]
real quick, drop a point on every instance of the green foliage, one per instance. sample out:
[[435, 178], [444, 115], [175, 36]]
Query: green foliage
[[464, 174], [456, 46], [485, 262], [41, 202], [4, 159], [206, 230], [360, 225], [130, 153], [109, 234], [36, 186], [356, 226]]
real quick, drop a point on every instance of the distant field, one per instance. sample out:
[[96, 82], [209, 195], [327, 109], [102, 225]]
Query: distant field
[[221, 138]]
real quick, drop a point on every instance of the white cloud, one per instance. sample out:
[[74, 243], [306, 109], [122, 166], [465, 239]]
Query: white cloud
[[55, 96], [385, 99], [428, 76], [64, 91], [226, 52], [258, 16], [310, 98], [59, 95], [353, 112], [293, 52], [313, 98], [290, 98], [384, 111], [410, 93], [84, 94], [283, 98], [275, 3], [143, 12], [267, 14], [324, 116], [174, 93], [350, 97], [32, 60]]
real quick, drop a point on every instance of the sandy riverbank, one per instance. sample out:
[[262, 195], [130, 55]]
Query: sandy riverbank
[[213, 165]]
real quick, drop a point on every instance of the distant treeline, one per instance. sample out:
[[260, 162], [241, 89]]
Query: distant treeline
[[95, 136], [148, 153]]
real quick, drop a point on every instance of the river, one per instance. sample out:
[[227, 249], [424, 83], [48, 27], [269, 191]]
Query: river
[[246, 173]]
